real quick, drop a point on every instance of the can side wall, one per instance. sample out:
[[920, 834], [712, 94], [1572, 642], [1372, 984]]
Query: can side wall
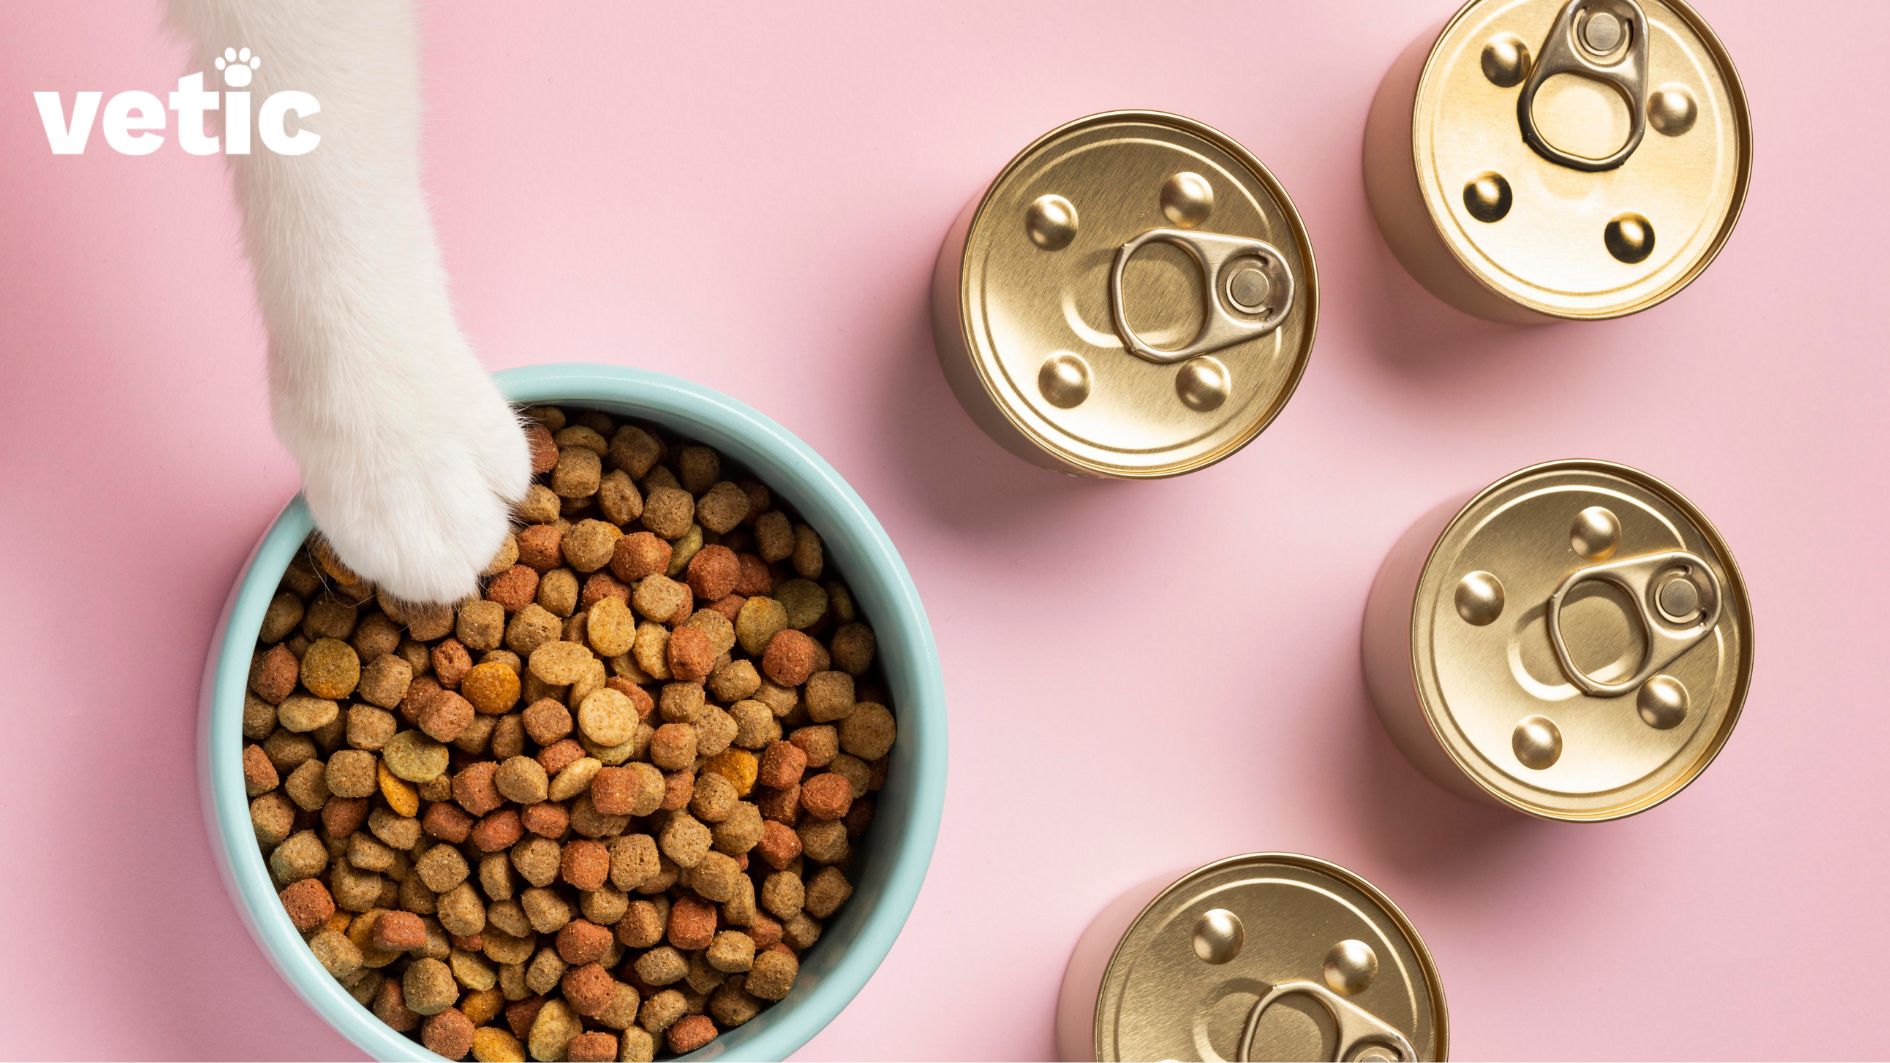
[[954, 357], [1385, 653], [1391, 186], [1082, 977]]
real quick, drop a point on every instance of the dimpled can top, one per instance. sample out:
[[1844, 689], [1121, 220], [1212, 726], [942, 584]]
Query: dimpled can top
[[1271, 956], [1581, 641], [1136, 295], [1582, 158]]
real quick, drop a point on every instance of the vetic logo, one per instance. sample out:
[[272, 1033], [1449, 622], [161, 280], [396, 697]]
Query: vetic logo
[[134, 121]]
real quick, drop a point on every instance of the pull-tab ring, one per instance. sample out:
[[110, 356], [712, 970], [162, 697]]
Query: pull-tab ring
[[1677, 597], [1358, 1030], [1601, 40], [1247, 288]]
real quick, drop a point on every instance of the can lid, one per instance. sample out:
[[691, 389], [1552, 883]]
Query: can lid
[[1581, 641], [1271, 956], [1531, 138], [1137, 294]]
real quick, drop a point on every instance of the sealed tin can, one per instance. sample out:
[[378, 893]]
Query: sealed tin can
[[1263, 956], [1132, 296], [1544, 159], [1573, 641]]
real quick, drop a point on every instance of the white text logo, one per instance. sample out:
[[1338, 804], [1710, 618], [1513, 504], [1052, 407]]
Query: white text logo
[[134, 121]]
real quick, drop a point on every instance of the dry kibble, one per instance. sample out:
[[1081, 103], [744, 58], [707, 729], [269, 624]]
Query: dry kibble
[[782, 765], [593, 1047], [330, 669], [523, 780], [722, 508], [690, 1033], [668, 511], [511, 590], [610, 627], [492, 687], [590, 544], [829, 696], [789, 658], [606, 803], [673, 746], [445, 715], [558, 592], [259, 776], [414, 757], [772, 974], [758, 622], [300, 713], [560, 663], [577, 473], [554, 1027], [868, 731], [690, 655], [607, 717], [384, 681], [451, 662], [481, 623], [352, 773]]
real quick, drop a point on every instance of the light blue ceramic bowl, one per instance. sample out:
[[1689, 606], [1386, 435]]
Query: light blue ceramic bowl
[[893, 855]]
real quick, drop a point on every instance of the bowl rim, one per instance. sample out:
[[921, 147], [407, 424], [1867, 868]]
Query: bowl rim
[[877, 576]]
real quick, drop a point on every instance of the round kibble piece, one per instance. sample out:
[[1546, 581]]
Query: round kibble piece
[[449, 1033], [523, 780], [590, 544], [428, 987], [868, 731], [668, 511], [789, 658], [560, 663], [492, 687], [414, 757], [445, 715], [330, 668], [690, 654], [608, 717]]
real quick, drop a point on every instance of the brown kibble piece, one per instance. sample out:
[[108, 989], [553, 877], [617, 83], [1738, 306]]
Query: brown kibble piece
[[690, 654], [516, 587], [428, 987], [523, 780], [585, 864], [308, 903], [588, 988], [593, 1047], [713, 572], [273, 675], [445, 714], [691, 923], [544, 450], [330, 669], [492, 687], [449, 1033], [773, 974], [789, 658], [782, 765], [827, 796], [690, 1033], [398, 931]]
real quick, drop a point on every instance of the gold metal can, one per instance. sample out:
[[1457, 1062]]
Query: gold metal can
[[1264, 956], [1545, 159], [1573, 641], [1132, 296]]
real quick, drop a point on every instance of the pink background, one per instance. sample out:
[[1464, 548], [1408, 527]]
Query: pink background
[[1143, 676]]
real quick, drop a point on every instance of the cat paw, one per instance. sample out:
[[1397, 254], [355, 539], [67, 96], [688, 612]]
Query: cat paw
[[413, 491]]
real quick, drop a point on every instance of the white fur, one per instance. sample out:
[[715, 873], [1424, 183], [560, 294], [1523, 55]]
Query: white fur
[[410, 457]]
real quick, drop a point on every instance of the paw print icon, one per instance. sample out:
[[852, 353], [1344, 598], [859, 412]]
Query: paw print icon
[[238, 66]]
